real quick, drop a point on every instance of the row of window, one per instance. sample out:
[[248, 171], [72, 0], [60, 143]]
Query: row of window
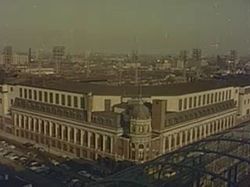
[[246, 101], [60, 145], [182, 138], [205, 99], [66, 133], [52, 98]]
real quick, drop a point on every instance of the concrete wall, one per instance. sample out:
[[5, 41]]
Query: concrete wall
[[244, 102], [99, 102]]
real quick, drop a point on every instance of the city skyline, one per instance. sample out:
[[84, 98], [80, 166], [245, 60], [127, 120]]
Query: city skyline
[[118, 27]]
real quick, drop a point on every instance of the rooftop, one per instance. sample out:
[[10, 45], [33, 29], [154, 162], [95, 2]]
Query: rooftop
[[161, 90]]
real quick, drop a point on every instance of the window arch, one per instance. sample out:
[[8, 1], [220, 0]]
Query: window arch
[[132, 145], [141, 146]]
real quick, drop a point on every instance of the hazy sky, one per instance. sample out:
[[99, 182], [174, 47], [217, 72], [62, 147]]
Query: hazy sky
[[151, 26]]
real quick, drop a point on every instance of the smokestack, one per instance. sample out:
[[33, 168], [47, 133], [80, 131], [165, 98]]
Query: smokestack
[[30, 55]]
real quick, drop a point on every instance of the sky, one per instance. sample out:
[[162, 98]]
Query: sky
[[120, 26]]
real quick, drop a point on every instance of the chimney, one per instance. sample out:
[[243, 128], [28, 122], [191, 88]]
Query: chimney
[[159, 109]]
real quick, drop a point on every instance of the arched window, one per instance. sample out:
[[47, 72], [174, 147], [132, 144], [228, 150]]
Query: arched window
[[141, 146], [85, 138], [92, 140], [108, 144], [132, 145], [141, 155]]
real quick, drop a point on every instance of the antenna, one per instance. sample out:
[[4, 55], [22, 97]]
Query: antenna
[[183, 57], [38, 57], [135, 61], [87, 55], [140, 89], [120, 74]]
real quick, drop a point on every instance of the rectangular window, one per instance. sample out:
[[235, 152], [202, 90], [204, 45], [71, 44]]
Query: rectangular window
[[63, 99], [25, 93], [190, 102], [230, 94], [208, 98], [69, 100], [46, 97], [35, 95], [227, 95], [107, 104], [212, 98], [199, 100], [195, 101], [223, 96], [75, 101], [57, 98], [40, 96], [30, 94], [219, 96], [21, 92], [11, 89], [215, 97], [51, 99], [204, 100], [180, 104], [185, 103], [82, 102]]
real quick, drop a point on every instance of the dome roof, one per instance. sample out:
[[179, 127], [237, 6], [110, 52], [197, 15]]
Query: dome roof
[[140, 111]]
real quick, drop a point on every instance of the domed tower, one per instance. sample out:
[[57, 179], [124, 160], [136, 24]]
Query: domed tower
[[140, 132]]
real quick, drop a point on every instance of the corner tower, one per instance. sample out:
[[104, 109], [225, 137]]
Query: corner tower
[[140, 132]]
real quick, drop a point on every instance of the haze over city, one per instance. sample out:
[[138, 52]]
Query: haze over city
[[108, 93], [159, 26]]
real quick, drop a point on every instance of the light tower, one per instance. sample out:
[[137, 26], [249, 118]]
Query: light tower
[[87, 58], [196, 56], [58, 57], [233, 60], [183, 58]]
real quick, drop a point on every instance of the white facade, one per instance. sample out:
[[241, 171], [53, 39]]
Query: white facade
[[177, 103], [20, 59], [244, 99]]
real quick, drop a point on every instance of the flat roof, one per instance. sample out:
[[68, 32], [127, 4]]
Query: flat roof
[[161, 90]]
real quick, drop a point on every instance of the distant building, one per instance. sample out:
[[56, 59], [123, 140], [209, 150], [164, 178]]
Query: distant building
[[233, 55], [30, 59], [183, 55], [196, 55], [58, 57], [196, 58], [9, 58], [40, 71], [20, 59], [7, 55], [180, 64], [163, 65], [232, 61]]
